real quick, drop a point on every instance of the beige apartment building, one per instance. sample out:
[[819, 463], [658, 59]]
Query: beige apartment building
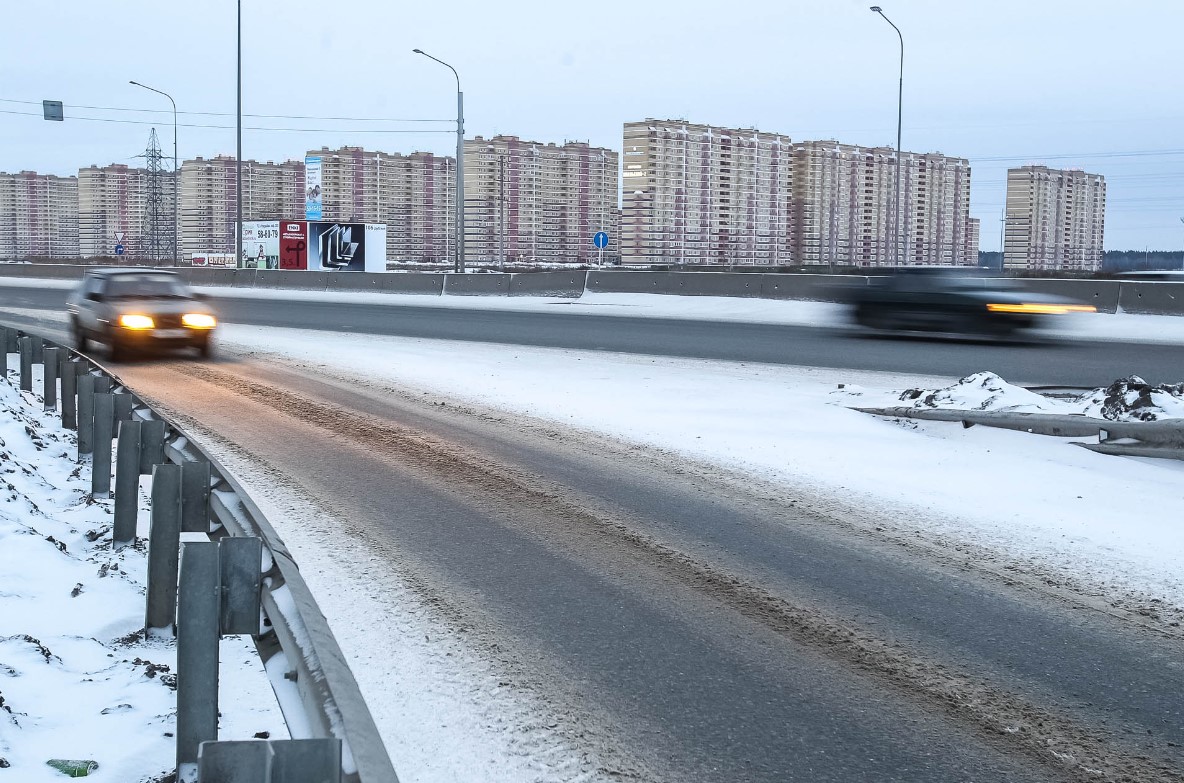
[[699, 194], [38, 216], [209, 205], [414, 195], [113, 210], [540, 202], [1054, 219], [844, 198]]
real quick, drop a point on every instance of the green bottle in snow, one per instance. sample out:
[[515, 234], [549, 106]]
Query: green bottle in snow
[[74, 768]]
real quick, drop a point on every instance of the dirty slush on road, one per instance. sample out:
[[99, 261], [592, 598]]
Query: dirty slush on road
[[1015, 722]]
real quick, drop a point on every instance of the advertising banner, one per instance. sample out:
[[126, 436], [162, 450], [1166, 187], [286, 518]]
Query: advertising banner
[[261, 244], [375, 247], [293, 244], [212, 259], [312, 188], [337, 247]]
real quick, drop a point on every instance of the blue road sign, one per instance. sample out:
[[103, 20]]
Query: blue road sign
[[600, 240], [119, 250]]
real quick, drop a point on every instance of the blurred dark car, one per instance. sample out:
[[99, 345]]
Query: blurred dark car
[[952, 300], [132, 309]]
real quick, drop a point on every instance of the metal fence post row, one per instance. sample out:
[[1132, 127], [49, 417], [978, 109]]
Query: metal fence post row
[[198, 608], [164, 540], [26, 348], [127, 484], [86, 414], [50, 378], [100, 466]]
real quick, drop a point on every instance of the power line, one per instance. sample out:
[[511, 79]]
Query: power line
[[231, 114], [232, 127]]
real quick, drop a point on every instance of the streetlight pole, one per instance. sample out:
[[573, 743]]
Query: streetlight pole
[[238, 155], [460, 164], [899, 108], [176, 171]]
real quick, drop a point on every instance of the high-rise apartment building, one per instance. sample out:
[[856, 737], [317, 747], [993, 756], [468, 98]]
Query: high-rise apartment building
[[704, 194], [112, 210], [38, 216], [209, 206], [414, 195], [844, 197], [540, 202], [1055, 219]]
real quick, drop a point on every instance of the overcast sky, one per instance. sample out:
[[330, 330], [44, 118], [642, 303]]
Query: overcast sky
[[1084, 84]]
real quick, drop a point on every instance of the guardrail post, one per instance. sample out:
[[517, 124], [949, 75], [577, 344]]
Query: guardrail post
[[69, 390], [245, 761], [103, 385], [38, 348], [197, 653], [127, 484], [3, 353], [195, 497], [26, 348], [240, 560], [151, 445], [50, 379], [306, 761], [100, 466], [164, 538], [123, 406], [86, 414]]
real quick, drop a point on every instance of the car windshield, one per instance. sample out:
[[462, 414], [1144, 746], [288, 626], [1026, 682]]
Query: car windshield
[[146, 287]]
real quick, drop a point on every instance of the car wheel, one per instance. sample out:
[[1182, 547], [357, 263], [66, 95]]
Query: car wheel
[[205, 349], [117, 351]]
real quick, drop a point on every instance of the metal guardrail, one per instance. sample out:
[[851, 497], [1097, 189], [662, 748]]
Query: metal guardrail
[[294, 640]]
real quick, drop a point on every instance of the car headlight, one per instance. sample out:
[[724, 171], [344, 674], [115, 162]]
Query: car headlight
[[134, 321], [1041, 309], [199, 321]]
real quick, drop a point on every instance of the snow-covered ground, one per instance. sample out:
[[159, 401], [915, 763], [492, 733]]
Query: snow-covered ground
[[1109, 526], [77, 682]]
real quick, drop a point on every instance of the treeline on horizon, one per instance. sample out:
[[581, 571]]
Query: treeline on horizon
[[1114, 260]]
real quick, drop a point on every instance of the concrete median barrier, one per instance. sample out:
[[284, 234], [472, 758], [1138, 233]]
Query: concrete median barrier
[[816, 288], [736, 284], [294, 279], [476, 284], [426, 283], [1102, 294], [564, 284], [1151, 298], [602, 282], [244, 278], [353, 281]]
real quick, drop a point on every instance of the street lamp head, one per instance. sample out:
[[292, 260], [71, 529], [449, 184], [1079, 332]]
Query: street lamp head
[[418, 51], [877, 9], [133, 81]]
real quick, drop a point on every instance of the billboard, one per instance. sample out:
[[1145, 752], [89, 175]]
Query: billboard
[[261, 244], [313, 200], [212, 259], [293, 244]]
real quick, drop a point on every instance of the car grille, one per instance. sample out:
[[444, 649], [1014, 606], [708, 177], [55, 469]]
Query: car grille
[[167, 321]]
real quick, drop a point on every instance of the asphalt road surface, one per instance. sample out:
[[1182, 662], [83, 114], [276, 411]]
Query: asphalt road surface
[[704, 626], [1064, 363]]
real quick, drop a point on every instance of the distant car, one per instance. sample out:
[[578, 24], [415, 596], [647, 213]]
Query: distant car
[[941, 299], [131, 309]]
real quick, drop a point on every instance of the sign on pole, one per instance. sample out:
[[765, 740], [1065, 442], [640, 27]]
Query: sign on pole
[[600, 240], [52, 110]]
